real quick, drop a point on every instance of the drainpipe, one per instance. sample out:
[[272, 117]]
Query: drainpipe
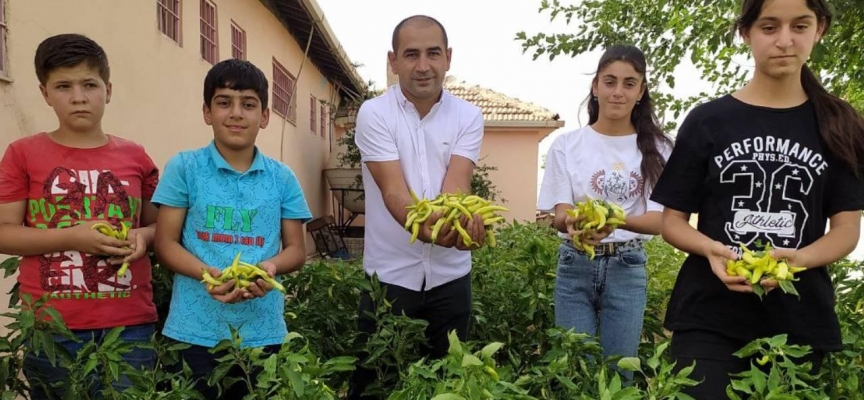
[[294, 90]]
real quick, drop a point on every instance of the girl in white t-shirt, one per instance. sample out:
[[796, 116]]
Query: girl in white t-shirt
[[618, 158]]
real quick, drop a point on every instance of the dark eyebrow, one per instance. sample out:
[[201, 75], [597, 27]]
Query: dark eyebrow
[[775, 19], [413, 50], [227, 97], [69, 81], [629, 78]]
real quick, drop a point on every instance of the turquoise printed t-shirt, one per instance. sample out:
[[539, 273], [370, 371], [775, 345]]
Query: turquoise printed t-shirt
[[228, 212]]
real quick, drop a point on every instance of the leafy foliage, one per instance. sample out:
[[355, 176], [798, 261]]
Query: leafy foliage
[[514, 351], [676, 33]]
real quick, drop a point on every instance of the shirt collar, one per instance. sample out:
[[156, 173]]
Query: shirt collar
[[403, 101], [219, 161]]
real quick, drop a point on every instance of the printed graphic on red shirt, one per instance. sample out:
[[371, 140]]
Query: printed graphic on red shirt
[[617, 185], [61, 187], [70, 196]]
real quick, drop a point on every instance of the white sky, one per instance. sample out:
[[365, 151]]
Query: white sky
[[485, 53]]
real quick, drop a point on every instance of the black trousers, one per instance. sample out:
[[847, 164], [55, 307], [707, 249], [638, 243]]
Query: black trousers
[[712, 354], [445, 308]]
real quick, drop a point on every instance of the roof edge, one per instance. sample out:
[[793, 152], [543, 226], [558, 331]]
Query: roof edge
[[323, 29]]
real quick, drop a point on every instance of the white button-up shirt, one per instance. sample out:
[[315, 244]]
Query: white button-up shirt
[[389, 128]]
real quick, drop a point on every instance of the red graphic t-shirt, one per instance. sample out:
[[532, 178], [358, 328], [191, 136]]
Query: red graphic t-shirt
[[65, 186]]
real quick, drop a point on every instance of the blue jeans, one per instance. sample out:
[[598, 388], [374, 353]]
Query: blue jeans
[[42, 375], [604, 296]]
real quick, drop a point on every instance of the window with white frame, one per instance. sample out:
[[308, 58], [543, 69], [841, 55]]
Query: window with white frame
[[168, 14], [238, 42], [313, 119], [3, 69], [323, 118], [283, 90], [208, 32]]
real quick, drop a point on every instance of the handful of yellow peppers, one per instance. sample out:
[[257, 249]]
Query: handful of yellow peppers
[[759, 265], [243, 275], [121, 234], [452, 207], [598, 215]]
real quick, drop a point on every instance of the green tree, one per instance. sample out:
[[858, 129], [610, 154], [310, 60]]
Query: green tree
[[701, 31]]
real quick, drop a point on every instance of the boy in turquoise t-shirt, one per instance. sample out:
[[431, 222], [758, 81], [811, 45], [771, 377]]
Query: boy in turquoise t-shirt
[[217, 201]]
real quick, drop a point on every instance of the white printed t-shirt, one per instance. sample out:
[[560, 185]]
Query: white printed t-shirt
[[586, 163]]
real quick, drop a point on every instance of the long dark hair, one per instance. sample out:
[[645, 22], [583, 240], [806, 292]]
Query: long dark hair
[[841, 127], [649, 136]]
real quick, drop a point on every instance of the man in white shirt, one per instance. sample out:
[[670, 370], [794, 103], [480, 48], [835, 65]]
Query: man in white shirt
[[417, 137]]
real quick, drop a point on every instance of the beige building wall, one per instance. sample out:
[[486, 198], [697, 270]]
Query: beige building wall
[[514, 153], [158, 84]]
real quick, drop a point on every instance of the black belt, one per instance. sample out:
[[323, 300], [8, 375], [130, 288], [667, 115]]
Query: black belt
[[610, 248]]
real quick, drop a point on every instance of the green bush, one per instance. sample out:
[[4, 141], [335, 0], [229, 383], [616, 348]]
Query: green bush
[[514, 351]]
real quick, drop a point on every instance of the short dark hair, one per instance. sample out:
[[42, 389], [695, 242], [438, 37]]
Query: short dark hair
[[417, 18], [69, 50], [237, 75]]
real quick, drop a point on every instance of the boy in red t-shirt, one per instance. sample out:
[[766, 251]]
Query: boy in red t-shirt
[[54, 186]]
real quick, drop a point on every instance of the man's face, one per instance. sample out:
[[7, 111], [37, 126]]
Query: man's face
[[421, 61]]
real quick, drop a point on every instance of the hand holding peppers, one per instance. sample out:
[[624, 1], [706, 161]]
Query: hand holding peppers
[[762, 269]]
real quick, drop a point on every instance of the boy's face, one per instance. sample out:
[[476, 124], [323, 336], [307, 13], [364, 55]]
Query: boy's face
[[236, 117], [78, 96]]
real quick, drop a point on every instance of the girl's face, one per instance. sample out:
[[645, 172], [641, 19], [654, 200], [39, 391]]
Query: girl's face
[[783, 36], [617, 87]]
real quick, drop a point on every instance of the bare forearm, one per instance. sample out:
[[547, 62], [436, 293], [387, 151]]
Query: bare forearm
[[149, 233], [290, 259], [684, 237], [176, 258], [559, 222], [25, 241], [396, 204], [648, 223], [835, 245], [457, 185]]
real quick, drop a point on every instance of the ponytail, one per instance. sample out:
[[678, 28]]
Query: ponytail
[[840, 125]]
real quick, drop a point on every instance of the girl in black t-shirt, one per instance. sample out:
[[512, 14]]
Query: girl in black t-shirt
[[770, 163]]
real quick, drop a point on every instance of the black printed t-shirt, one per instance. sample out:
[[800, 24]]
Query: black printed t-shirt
[[756, 174]]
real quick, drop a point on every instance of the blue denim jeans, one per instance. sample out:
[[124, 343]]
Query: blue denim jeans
[[42, 375], [605, 296]]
